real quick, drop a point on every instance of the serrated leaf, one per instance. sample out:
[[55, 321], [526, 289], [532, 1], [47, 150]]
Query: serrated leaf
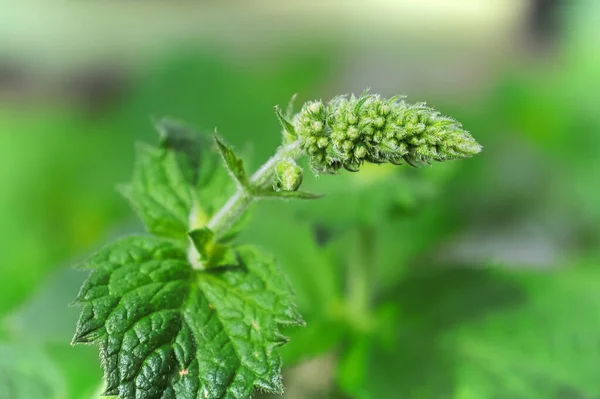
[[178, 185], [160, 192], [285, 124], [168, 331], [234, 164]]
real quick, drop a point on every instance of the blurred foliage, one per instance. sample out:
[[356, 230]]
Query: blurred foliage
[[449, 303]]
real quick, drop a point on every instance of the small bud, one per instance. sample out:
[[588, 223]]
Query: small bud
[[322, 142], [379, 122], [390, 144], [313, 149], [317, 126], [351, 118], [352, 132], [360, 151], [288, 176], [347, 146], [315, 107], [338, 135]]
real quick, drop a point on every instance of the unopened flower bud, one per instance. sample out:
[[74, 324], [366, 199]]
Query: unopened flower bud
[[288, 176]]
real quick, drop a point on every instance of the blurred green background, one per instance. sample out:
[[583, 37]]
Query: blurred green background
[[471, 280]]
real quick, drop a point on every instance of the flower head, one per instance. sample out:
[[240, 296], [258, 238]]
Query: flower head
[[348, 131]]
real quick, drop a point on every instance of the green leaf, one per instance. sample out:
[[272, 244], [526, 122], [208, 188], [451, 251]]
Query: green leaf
[[191, 148], [234, 164], [212, 253], [285, 124], [178, 185], [168, 331], [160, 192], [203, 240], [27, 373], [314, 277]]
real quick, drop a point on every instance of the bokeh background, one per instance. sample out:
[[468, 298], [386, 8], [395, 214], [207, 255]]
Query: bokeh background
[[470, 280]]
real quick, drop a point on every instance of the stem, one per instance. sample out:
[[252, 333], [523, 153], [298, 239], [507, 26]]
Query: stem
[[360, 277], [237, 204]]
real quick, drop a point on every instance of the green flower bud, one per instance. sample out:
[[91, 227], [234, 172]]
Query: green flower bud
[[379, 122], [315, 107], [348, 131], [360, 151], [322, 142], [317, 126], [352, 132], [288, 176], [348, 146]]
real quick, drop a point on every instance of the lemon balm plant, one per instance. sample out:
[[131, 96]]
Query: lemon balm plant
[[185, 312]]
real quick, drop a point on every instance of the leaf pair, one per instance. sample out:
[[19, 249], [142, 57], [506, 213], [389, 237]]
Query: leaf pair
[[166, 330]]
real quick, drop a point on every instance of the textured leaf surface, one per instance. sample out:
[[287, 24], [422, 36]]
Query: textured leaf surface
[[160, 192], [179, 184], [167, 331]]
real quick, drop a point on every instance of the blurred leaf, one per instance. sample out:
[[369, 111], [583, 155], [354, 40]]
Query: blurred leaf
[[55, 179], [26, 373], [46, 320], [319, 336], [46, 316], [351, 368], [373, 195], [490, 334]]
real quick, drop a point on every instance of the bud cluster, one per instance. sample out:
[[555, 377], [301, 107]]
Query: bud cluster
[[348, 131]]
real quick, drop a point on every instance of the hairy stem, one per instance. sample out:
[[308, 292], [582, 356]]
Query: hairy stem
[[237, 204]]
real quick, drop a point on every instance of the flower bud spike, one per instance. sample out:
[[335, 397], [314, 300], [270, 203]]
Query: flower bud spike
[[389, 129]]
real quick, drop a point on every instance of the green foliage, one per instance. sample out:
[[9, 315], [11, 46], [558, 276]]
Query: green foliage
[[422, 333], [175, 319], [234, 164], [166, 331]]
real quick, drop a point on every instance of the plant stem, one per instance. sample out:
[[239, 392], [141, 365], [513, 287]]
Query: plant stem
[[360, 278], [237, 204]]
